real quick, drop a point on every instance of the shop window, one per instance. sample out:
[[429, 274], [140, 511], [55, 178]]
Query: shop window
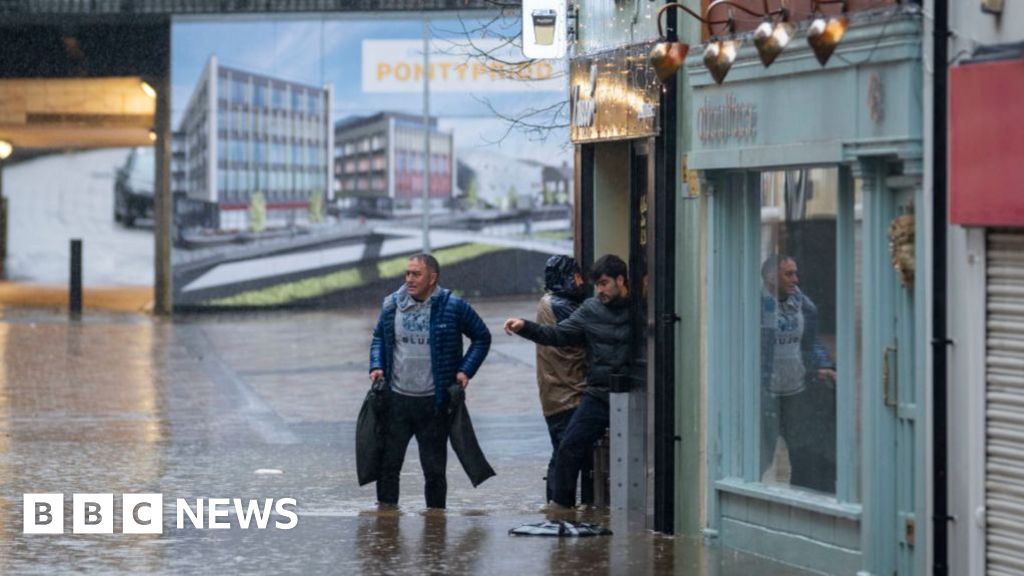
[[785, 327], [798, 371]]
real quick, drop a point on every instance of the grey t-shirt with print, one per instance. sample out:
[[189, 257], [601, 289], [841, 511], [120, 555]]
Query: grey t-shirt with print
[[413, 375], [789, 371]]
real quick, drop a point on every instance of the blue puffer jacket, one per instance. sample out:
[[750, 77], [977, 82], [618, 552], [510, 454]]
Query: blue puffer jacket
[[450, 318]]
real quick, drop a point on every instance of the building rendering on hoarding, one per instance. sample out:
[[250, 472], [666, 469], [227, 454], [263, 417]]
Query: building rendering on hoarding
[[179, 165], [378, 163], [256, 140]]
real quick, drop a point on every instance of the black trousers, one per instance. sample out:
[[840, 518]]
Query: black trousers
[[586, 426], [557, 424], [409, 416], [807, 422]]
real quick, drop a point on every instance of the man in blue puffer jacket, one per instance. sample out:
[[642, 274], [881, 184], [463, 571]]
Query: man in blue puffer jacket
[[798, 397], [417, 349]]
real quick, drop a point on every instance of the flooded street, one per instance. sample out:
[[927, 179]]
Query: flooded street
[[263, 406]]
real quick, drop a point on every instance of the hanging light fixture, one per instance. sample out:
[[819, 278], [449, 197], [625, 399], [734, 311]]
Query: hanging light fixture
[[719, 56], [825, 32], [667, 57], [771, 38]]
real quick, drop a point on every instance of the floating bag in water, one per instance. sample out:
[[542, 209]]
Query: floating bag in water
[[561, 528]]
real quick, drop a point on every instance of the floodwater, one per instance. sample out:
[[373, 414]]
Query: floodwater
[[263, 406]]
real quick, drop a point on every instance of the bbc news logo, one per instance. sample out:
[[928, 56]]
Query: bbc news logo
[[144, 513]]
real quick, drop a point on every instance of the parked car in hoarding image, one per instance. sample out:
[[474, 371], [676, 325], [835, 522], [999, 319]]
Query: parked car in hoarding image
[[133, 187]]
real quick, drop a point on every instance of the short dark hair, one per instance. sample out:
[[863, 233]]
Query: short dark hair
[[609, 265], [429, 261], [771, 264]]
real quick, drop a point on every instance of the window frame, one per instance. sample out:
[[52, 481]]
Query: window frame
[[734, 253]]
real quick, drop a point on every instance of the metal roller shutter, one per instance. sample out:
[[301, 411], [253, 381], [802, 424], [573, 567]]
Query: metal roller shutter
[[1004, 398]]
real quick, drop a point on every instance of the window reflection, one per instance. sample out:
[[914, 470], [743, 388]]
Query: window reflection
[[798, 327]]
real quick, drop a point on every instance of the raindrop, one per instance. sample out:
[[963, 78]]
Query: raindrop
[[263, 471]]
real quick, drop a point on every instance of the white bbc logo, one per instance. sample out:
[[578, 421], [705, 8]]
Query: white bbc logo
[[43, 514], [93, 513]]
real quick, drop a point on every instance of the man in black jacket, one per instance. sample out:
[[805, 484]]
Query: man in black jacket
[[603, 324]]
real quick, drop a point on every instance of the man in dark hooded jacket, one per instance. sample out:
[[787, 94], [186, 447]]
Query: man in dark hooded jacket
[[602, 324], [561, 372]]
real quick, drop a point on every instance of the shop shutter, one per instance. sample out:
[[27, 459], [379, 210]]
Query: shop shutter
[[1004, 365]]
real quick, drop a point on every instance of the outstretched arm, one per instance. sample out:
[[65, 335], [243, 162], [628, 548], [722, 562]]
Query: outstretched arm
[[568, 332]]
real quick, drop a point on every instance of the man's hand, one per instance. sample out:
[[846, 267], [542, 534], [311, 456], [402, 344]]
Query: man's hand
[[514, 325], [827, 375], [462, 379], [376, 375]]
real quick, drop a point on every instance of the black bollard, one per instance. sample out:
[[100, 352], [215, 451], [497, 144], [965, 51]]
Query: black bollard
[[75, 296]]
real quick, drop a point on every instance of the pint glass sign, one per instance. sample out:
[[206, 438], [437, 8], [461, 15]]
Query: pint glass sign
[[544, 28]]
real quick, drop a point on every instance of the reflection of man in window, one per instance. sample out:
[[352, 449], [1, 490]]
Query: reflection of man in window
[[797, 378]]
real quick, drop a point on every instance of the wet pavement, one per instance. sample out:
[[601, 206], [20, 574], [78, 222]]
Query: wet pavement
[[264, 406]]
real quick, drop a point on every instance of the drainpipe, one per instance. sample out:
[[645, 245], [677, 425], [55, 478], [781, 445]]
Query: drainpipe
[[940, 339], [664, 294]]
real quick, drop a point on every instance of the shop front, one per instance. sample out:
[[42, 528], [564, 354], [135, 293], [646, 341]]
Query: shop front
[[617, 115], [987, 269], [816, 321]]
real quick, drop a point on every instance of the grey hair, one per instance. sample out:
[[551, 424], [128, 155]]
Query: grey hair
[[429, 261]]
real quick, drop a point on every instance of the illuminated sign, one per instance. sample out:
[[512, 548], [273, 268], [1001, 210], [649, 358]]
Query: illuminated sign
[[614, 95]]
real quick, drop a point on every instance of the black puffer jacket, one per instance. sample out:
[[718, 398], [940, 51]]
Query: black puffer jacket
[[605, 329]]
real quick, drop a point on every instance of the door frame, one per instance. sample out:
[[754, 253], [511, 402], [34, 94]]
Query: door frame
[[895, 527]]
